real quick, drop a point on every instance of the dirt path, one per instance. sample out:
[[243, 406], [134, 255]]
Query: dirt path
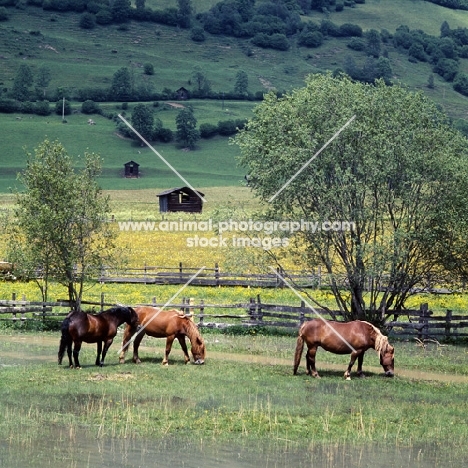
[[247, 358], [272, 361]]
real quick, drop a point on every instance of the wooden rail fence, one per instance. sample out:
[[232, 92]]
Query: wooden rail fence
[[314, 279], [422, 323]]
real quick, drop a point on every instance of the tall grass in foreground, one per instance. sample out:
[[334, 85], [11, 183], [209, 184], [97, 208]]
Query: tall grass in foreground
[[224, 401]]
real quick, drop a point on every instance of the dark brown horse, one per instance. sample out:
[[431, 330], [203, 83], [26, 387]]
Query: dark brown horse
[[101, 328], [169, 324], [353, 338]]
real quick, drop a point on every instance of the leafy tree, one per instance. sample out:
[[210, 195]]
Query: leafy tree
[[62, 218], [447, 68], [42, 108], [90, 107], [43, 78], [148, 69], [22, 82], [121, 88], [185, 13], [373, 43], [121, 10], [63, 107], [202, 84], [460, 83], [187, 132], [87, 21], [242, 83], [398, 173], [430, 81], [197, 34], [143, 121]]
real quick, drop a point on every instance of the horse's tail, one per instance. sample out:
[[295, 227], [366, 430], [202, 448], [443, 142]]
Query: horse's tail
[[299, 349], [65, 340]]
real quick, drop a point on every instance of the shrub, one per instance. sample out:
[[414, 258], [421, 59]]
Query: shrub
[[8, 106], [310, 38], [446, 68], [87, 21], [353, 30], [42, 108], [90, 107], [104, 17], [60, 108], [460, 83], [208, 130], [148, 69], [357, 44], [197, 34], [275, 41], [3, 14]]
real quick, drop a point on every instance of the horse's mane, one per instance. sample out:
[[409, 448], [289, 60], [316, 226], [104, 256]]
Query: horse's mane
[[191, 330], [381, 341]]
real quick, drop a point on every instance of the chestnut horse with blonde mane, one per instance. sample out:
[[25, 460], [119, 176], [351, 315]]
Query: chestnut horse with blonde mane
[[353, 338], [169, 324]]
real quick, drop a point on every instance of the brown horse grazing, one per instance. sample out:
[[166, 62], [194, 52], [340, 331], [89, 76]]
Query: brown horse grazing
[[353, 338], [101, 328], [169, 324]]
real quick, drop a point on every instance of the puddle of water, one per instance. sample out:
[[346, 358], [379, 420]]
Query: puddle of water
[[170, 453]]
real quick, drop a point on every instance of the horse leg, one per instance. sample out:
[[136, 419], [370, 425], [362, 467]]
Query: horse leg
[[359, 365], [99, 350], [310, 362], [76, 352], [354, 356], [169, 341], [125, 342], [107, 345], [69, 353], [183, 345], [136, 345]]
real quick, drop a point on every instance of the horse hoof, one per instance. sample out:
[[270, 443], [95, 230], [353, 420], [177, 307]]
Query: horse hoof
[[348, 378], [121, 361], [165, 364]]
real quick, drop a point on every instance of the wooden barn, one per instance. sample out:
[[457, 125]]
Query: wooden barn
[[180, 199], [182, 94], [131, 169]]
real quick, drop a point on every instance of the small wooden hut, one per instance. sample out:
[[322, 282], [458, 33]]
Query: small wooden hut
[[182, 94], [131, 169], [180, 199]]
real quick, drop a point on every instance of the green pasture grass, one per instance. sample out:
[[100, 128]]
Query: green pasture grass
[[211, 164], [224, 400]]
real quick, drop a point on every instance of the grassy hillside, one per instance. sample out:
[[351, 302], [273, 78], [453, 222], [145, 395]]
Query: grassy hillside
[[212, 163], [80, 58]]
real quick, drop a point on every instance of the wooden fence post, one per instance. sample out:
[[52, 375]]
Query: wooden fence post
[[423, 331], [202, 312], [13, 298], [259, 309], [217, 274], [252, 307], [153, 301], [180, 271], [23, 317], [102, 301], [319, 277], [448, 324], [302, 313]]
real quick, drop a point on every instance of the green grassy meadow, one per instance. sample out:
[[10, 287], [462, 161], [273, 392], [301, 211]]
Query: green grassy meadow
[[211, 164], [244, 394]]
